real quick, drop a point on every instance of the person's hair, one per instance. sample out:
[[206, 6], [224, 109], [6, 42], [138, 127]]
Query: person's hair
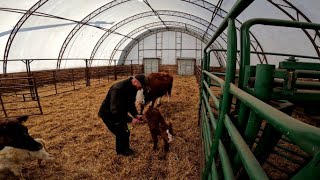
[[142, 79]]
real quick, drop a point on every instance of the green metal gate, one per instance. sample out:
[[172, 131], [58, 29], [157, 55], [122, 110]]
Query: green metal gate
[[239, 140]]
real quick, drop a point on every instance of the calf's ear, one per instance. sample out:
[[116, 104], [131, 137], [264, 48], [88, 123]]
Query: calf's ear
[[22, 118]]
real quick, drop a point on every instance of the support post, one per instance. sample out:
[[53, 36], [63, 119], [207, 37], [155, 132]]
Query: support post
[[115, 70], [2, 105], [54, 74], [37, 95], [227, 96], [131, 67], [28, 68], [87, 73], [74, 87], [263, 90]]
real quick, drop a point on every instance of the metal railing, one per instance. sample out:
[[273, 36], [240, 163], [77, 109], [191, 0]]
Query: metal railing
[[228, 138]]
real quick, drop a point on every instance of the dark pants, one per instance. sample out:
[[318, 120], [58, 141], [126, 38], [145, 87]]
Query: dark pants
[[122, 133]]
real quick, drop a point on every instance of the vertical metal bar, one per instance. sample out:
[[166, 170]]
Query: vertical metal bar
[[115, 70], [252, 166], [225, 161], [203, 66], [242, 121], [237, 8], [244, 53], [131, 69], [243, 109], [2, 104], [74, 87], [213, 172], [28, 68], [267, 142], [263, 90], [208, 79], [87, 74], [202, 157], [108, 69], [270, 136], [99, 74], [138, 52], [227, 97], [37, 96], [54, 74]]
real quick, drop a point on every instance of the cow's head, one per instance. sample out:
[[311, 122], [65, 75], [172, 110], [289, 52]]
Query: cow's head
[[13, 133]]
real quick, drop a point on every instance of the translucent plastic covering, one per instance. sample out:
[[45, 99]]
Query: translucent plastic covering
[[63, 33]]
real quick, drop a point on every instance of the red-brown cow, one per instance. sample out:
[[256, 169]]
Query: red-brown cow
[[13, 133], [158, 127], [159, 84]]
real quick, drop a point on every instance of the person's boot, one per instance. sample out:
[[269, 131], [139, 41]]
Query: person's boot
[[127, 152]]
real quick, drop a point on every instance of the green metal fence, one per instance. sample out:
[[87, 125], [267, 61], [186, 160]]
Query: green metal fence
[[233, 148]]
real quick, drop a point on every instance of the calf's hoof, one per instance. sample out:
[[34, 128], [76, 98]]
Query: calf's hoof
[[166, 148]]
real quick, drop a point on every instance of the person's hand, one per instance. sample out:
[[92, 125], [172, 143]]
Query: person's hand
[[135, 121], [139, 117]]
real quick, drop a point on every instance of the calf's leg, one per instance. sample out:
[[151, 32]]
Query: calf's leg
[[152, 102], [17, 171], [155, 140], [159, 101], [165, 138]]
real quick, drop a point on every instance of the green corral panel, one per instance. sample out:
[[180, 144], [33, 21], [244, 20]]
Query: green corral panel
[[299, 65]]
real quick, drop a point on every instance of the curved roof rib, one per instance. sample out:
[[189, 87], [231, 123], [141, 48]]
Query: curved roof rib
[[129, 46], [214, 13], [16, 28], [284, 5], [84, 21], [297, 15], [151, 13], [205, 37], [201, 3], [255, 44]]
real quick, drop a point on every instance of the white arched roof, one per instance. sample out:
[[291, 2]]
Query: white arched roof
[[46, 33]]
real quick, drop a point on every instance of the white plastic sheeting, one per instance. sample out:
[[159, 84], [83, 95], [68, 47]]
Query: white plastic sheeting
[[43, 37]]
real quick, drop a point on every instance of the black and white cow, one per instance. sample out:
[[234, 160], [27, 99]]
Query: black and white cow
[[13, 133]]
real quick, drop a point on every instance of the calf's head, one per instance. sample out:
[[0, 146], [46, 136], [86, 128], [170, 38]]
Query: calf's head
[[13, 133], [142, 98]]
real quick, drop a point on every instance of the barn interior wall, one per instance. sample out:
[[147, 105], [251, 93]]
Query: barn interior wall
[[172, 69], [169, 54]]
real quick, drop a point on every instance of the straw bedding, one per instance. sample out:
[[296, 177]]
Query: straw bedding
[[85, 149]]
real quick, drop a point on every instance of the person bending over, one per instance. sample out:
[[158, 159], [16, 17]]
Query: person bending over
[[120, 101]]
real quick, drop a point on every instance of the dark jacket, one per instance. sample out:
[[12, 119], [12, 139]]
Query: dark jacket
[[119, 101]]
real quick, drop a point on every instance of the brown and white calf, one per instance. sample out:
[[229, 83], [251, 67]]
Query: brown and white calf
[[158, 127], [13, 133], [13, 158]]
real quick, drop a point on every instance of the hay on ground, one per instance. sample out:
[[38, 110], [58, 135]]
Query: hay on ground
[[85, 149]]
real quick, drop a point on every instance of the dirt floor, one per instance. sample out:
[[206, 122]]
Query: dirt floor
[[85, 149]]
